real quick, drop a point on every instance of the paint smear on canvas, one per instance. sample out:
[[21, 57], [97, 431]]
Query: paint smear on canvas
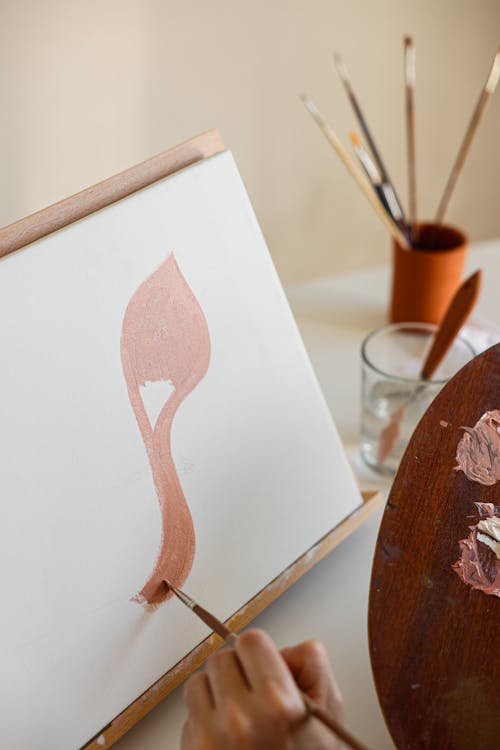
[[479, 562], [478, 452], [165, 338]]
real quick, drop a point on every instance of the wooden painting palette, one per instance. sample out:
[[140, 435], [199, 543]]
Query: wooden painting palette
[[435, 640]]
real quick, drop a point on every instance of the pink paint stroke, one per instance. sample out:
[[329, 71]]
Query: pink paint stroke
[[165, 338]]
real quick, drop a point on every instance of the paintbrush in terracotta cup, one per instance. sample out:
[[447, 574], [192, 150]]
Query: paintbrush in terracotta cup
[[454, 318]]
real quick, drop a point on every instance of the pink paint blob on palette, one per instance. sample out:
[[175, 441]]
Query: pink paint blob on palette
[[479, 561], [478, 452], [478, 456], [165, 339]]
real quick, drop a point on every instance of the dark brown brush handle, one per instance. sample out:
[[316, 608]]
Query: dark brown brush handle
[[327, 719], [455, 316]]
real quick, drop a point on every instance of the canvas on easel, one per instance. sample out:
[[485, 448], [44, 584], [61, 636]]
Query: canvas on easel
[[159, 417]]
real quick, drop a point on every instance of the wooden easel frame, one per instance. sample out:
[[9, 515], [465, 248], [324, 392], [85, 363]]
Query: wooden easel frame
[[55, 217], [59, 215]]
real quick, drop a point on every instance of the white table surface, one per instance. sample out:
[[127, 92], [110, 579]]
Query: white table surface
[[330, 602]]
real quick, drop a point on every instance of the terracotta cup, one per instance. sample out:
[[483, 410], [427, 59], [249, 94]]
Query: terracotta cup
[[425, 278]]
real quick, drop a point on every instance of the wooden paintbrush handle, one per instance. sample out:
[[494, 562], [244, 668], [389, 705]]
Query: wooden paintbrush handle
[[327, 719], [455, 316]]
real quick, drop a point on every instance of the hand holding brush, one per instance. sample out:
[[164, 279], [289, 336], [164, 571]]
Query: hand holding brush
[[257, 697]]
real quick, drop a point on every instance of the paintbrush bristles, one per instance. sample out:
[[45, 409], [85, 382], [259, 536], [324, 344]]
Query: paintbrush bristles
[[313, 110], [477, 116], [365, 159], [410, 60], [342, 70], [207, 617], [363, 183], [185, 599], [494, 75]]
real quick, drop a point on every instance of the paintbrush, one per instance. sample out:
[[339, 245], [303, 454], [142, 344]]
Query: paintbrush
[[363, 183], [208, 618], [410, 81], [383, 189], [477, 115], [229, 637], [346, 80], [455, 316]]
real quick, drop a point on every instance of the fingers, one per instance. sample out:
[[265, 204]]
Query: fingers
[[196, 737], [226, 677], [261, 660], [310, 666], [197, 734], [198, 695], [248, 697], [268, 675], [188, 742]]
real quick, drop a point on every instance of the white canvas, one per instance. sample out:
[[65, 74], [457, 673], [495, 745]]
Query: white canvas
[[257, 455]]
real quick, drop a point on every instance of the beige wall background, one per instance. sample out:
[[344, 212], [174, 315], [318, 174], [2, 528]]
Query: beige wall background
[[90, 87]]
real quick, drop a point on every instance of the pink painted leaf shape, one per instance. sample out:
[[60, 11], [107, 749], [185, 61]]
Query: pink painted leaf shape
[[165, 338]]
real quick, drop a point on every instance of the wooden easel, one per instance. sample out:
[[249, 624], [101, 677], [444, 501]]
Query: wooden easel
[[59, 215]]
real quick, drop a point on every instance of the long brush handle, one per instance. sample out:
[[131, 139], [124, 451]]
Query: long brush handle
[[327, 719], [454, 318], [410, 129], [477, 116], [346, 81], [344, 77], [362, 182]]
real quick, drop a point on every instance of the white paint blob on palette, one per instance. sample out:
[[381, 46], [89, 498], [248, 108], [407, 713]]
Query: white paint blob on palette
[[258, 459]]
